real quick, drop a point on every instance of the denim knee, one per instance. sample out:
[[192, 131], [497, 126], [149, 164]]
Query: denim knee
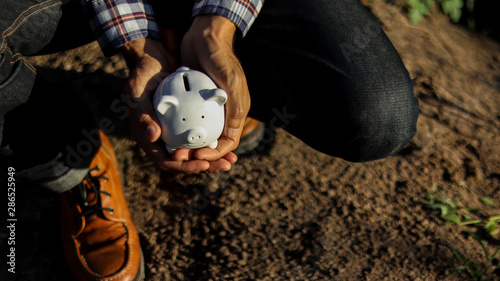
[[381, 123]]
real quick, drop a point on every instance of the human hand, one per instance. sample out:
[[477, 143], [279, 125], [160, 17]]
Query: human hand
[[208, 46], [149, 63]]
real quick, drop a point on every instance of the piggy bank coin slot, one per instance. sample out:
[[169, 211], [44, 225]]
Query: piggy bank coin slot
[[186, 82]]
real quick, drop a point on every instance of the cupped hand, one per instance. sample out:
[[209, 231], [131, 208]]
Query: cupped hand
[[208, 46], [149, 63]]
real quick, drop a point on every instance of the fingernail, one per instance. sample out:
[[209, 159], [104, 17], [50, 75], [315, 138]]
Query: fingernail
[[151, 132], [232, 133]]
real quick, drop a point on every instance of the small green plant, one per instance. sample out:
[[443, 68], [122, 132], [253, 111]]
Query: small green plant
[[420, 8], [474, 221], [476, 270]]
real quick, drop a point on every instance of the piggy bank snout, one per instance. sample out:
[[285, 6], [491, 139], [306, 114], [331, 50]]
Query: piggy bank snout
[[196, 135]]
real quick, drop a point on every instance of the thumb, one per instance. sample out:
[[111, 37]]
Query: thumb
[[153, 130], [146, 122], [233, 124]]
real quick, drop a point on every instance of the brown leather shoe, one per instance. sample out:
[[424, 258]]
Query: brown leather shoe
[[100, 241], [253, 133]]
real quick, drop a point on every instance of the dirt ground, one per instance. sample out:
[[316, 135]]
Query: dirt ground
[[292, 213]]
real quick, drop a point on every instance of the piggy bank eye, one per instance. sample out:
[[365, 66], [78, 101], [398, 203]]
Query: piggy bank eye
[[203, 117], [183, 119]]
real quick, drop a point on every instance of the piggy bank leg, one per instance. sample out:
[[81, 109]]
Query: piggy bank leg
[[170, 149], [213, 145]]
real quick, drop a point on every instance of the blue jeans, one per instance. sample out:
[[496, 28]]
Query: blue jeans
[[35, 129], [331, 65], [323, 70]]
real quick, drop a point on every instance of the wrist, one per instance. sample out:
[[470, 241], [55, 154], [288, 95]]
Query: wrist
[[133, 51], [214, 27]]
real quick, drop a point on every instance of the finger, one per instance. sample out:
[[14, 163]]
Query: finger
[[220, 165], [185, 167], [153, 129], [233, 128], [224, 147], [146, 120], [231, 157], [143, 117], [191, 164], [182, 154], [236, 111], [195, 165], [156, 152], [237, 105]]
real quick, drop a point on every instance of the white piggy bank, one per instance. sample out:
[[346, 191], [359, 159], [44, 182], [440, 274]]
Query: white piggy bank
[[190, 109]]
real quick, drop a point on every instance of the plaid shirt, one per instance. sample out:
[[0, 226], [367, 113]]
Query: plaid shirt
[[116, 22], [241, 12]]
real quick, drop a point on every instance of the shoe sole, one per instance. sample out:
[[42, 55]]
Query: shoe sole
[[251, 141], [141, 275]]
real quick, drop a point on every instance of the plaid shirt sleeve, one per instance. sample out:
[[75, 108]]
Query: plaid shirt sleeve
[[116, 22], [240, 12]]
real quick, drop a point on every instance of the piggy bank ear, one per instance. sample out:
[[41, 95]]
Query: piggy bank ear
[[165, 102], [216, 95]]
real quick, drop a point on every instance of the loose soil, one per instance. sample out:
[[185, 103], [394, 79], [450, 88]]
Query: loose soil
[[292, 213]]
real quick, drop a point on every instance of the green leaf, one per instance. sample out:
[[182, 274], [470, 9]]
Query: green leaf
[[488, 201], [452, 218], [419, 9], [445, 210], [415, 16], [491, 227], [456, 269], [469, 219], [469, 222], [490, 260], [452, 8], [446, 201]]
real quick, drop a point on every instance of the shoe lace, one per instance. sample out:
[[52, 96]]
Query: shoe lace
[[89, 185]]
